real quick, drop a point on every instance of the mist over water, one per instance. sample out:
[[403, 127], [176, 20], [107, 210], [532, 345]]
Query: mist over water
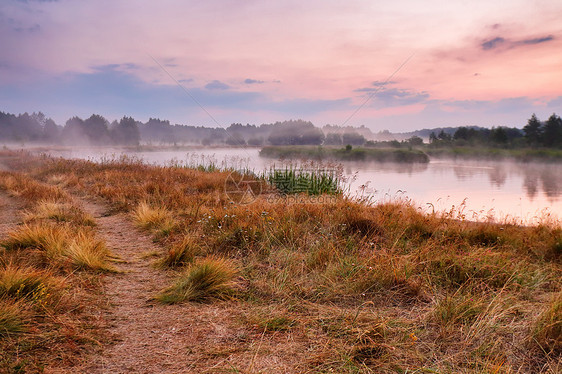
[[475, 190]]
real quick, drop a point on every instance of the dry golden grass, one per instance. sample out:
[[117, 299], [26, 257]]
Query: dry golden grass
[[547, 332], [43, 295], [205, 279], [58, 212], [381, 288], [180, 253]]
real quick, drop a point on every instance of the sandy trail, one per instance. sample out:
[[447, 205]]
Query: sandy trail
[[149, 337], [144, 331], [9, 214]]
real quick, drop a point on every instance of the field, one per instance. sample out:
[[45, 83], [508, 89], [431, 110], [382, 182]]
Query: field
[[124, 267]]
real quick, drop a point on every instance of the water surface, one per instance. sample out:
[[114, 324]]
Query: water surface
[[478, 190]]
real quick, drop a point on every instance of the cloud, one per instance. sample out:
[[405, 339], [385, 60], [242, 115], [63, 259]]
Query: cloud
[[37, 1], [306, 107], [398, 97], [382, 83], [382, 97], [217, 85], [502, 42], [377, 86], [555, 103], [253, 81], [492, 43], [536, 40]]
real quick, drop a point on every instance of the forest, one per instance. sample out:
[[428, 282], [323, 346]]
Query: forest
[[36, 128]]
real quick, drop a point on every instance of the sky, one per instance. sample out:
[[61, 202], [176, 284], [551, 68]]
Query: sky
[[388, 65]]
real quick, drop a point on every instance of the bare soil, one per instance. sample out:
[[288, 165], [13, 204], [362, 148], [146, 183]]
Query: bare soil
[[149, 337]]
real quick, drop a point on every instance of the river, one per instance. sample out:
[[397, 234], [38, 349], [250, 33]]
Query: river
[[476, 190]]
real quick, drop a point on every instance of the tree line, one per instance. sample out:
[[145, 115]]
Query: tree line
[[97, 130], [534, 134]]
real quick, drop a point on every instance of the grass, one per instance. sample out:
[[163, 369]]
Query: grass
[[547, 332], [205, 279], [22, 282], [180, 253], [58, 212], [11, 321], [85, 252], [310, 181], [45, 296], [152, 218], [348, 286], [60, 246]]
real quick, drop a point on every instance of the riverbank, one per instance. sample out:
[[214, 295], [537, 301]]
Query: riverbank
[[307, 285], [345, 154], [490, 153]]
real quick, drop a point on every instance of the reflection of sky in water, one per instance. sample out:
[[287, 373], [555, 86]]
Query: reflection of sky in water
[[475, 188]]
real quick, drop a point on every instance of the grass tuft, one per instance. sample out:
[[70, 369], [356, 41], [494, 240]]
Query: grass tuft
[[180, 254], [59, 212], [205, 279], [20, 282], [10, 318], [86, 252], [548, 327], [148, 217], [50, 239]]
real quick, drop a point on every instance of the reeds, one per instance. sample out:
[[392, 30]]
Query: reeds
[[313, 181]]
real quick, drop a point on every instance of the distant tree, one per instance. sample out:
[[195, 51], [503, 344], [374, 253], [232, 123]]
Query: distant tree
[[126, 132], [295, 133], [313, 136], [353, 138], [552, 131], [96, 129], [51, 132], [533, 130], [235, 140], [415, 141], [432, 137], [27, 127], [333, 139], [498, 135], [257, 141], [444, 136], [73, 131]]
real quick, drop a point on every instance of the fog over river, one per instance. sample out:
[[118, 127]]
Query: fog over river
[[477, 190]]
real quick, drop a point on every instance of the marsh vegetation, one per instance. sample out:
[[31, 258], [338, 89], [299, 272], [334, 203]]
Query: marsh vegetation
[[355, 287]]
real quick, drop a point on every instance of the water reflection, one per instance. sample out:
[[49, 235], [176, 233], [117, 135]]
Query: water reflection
[[480, 188]]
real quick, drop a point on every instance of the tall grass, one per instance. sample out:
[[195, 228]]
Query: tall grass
[[152, 218], [59, 212], [60, 245], [11, 321], [205, 279], [180, 253], [547, 332], [313, 181], [363, 288]]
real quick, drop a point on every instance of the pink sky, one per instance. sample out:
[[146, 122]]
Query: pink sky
[[480, 62]]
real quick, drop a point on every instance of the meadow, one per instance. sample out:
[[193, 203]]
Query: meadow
[[303, 286]]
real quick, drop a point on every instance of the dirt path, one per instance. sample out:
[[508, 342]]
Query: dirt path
[[9, 214], [143, 330], [150, 337]]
